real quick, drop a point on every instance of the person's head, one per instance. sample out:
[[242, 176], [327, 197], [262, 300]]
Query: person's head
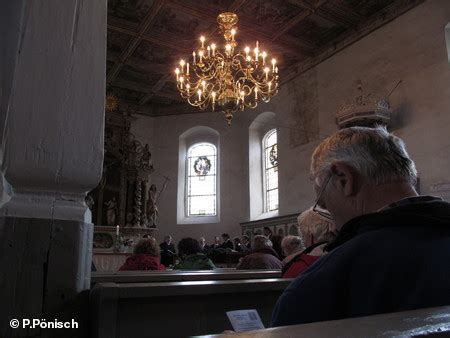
[[245, 239], [168, 239], [202, 241], [261, 242], [216, 240], [236, 240], [292, 244], [188, 246], [267, 231], [225, 237], [359, 170], [315, 228], [147, 246]]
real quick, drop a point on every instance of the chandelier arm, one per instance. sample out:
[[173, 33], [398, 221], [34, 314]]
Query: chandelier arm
[[205, 77]]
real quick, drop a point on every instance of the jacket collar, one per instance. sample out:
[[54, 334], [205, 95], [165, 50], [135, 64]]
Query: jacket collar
[[412, 212]]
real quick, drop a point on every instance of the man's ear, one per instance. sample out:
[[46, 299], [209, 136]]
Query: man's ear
[[345, 178]]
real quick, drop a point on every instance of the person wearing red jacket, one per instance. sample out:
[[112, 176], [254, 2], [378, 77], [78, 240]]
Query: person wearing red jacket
[[145, 257]]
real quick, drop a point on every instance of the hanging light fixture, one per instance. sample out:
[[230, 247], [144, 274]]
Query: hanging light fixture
[[224, 78]]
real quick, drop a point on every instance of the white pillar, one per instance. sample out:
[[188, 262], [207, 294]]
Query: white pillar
[[52, 155]]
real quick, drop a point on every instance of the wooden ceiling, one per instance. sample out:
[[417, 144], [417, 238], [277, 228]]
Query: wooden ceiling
[[146, 38]]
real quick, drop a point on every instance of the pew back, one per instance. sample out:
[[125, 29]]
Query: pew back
[[178, 309], [180, 275]]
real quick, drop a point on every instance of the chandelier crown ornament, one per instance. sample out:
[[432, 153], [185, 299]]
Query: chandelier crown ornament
[[224, 78]]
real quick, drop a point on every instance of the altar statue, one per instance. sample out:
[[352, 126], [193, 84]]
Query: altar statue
[[152, 208], [111, 211], [89, 202]]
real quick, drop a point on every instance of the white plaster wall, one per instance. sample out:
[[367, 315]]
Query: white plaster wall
[[233, 179], [411, 48]]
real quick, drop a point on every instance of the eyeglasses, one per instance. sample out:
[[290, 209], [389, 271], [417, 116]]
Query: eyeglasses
[[324, 213]]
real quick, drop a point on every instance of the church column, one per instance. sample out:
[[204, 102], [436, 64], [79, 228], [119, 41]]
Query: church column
[[52, 155]]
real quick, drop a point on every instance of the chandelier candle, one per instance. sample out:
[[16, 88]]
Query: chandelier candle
[[225, 78]]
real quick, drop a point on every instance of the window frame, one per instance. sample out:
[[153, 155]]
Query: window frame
[[191, 136], [264, 172], [187, 182]]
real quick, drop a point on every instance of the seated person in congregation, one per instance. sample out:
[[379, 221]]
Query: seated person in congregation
[[238, 245], [317, 232], [145, 257], [192, 257], [392, 252], [216, 244], [246, 243], [263, 256], [267, 232], [227, 243], [167, 251], [204, 248], [292, 247]]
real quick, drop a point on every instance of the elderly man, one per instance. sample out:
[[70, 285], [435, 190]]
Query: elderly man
[[393, 249]]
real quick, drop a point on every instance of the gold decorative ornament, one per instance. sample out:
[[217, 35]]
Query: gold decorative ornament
[[224, 78], [111, 103]]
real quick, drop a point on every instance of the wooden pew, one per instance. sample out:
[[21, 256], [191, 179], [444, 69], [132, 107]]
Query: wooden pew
[[180, 275], [430, 322], [178, 309]]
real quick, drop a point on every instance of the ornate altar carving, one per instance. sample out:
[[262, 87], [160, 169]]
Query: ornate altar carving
[[126, 177]]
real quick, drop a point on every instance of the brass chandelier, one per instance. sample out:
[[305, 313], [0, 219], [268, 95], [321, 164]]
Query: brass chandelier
[[226, 78]]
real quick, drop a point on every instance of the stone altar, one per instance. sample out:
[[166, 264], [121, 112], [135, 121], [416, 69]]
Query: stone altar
[[112, 245]]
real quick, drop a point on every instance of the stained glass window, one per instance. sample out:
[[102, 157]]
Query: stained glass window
[[270, 165], [201, 180]]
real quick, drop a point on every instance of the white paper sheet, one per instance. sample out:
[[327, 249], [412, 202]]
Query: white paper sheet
[[245, 320]]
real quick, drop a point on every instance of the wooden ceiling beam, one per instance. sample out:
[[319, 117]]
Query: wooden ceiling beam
[[154, 38], [157, 87], [140, 88], [295, 45], [141, 65], [132, 45], [291, 23], [308, 10], [236, 5], [340, 19], [343, 18]]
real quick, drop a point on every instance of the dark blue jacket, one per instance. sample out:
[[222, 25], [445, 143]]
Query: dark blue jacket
[[394, 260]]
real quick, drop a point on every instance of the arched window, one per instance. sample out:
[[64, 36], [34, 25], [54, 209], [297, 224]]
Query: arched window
[[201, 180], [270, 171]]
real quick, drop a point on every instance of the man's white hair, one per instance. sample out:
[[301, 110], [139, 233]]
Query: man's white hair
[[377, 155]]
